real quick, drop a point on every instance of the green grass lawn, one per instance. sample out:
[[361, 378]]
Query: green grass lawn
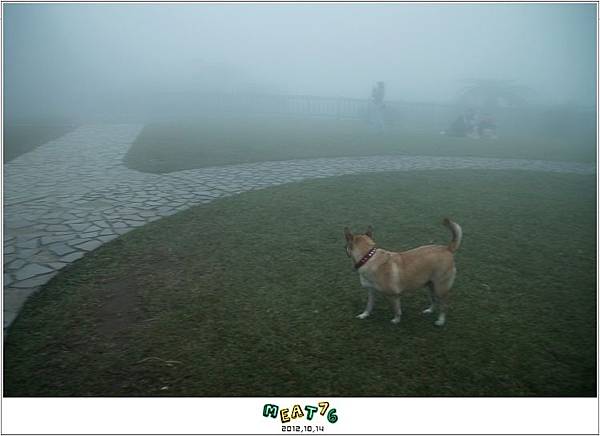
[[171, 146], [253, 295], [19, 138]]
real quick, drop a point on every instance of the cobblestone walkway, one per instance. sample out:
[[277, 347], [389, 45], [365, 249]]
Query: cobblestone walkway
[[73, 194]]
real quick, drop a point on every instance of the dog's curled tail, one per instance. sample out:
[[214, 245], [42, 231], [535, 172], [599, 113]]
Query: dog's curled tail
[[456, 234]]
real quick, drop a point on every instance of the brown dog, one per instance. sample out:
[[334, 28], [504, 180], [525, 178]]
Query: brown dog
[[393, 273]]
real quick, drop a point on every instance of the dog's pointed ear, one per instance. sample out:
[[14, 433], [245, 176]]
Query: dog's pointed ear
[[369, 232], [347, 234]]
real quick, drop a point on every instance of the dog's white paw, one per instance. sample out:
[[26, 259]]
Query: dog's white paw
[[395, 320], [441, 321], [427, 311], [362, 315]]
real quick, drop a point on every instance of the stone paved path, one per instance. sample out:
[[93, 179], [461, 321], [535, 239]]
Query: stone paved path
[[73, 194]]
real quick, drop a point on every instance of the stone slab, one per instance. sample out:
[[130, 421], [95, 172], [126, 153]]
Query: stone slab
[[34, 281], [45, 240], [71, 257], [107, 238], [57, 228], [57, 265], [31, 243], [16, 264], [61, 248], [89, 246], [31, 270]]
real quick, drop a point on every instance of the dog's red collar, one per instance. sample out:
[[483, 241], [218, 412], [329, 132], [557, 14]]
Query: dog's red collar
[[365, 258]]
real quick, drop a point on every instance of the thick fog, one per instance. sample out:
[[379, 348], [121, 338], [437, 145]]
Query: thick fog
[[78, 60]]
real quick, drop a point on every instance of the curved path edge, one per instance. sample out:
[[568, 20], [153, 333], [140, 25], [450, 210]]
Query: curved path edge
[[73, 194]]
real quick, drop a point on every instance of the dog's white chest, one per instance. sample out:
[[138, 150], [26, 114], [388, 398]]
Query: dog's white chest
[[389, 284], [365, 282]]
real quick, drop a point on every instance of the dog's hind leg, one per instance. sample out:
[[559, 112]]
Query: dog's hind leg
[[442, 289], [443, 304], [370, 304], [432, 299]]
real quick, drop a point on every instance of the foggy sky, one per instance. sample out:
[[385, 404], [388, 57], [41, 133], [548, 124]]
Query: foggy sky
[[78, 55]]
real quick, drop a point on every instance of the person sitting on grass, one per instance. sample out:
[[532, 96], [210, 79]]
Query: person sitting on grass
[[487, 127], [463, 125]]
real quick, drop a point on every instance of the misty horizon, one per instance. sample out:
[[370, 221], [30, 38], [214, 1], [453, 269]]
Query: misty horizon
[[73, 58]]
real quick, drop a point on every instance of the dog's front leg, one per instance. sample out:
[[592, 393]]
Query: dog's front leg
[[395, 300], [370, 304]]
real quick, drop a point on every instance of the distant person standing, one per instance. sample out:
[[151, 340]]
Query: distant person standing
[[378, 107], [378, 93]]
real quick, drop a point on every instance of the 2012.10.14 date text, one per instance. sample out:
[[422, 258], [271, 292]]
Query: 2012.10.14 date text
[[302, 428]]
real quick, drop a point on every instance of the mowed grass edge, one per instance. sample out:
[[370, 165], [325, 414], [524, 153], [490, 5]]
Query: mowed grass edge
[[21, 138], [253, 295], [172, 146]]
